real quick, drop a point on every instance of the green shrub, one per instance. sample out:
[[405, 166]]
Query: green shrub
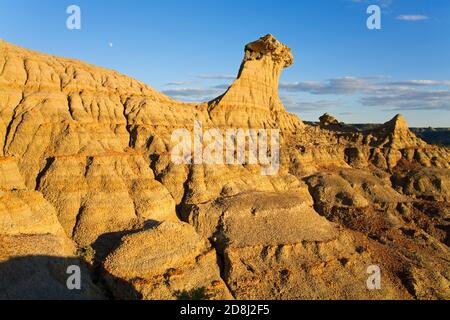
[[87, 253], [193, 294]]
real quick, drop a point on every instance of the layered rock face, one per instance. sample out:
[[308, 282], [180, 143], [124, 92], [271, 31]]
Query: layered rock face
[[85, 167], [165, 260], [35, 253], [252, 100]]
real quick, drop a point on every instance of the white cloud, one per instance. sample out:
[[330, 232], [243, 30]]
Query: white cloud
[[412, 17], [292, 104], [375, 92], [342, 85], [421, 83], [413, 100], [194, 94], [216, 76], [223, 86], [178, 83]]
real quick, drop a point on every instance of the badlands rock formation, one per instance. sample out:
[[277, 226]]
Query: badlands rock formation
[[86, 179]]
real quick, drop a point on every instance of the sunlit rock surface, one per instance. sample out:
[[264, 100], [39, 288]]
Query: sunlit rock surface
[[86, 174]]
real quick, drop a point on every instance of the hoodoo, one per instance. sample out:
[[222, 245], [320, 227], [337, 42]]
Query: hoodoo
[[253, 97]]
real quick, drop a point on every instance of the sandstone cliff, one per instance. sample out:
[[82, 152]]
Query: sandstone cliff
[[85, 164]]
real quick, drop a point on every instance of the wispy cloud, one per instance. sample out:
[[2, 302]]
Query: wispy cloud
[[292, 104], [194, 91], [420, 83], [412, 100], [345, 113], [344, 85], [222, 86], [372, 91], [194, 94], [178, 83], [412, 17], [216, 76]]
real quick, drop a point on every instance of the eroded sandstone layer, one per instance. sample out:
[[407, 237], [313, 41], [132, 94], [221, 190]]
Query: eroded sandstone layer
[[86, 175]]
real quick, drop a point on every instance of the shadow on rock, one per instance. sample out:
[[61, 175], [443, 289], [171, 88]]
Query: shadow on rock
[[47, 278]]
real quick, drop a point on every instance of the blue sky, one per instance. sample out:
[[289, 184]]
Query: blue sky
[[192, 49]]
